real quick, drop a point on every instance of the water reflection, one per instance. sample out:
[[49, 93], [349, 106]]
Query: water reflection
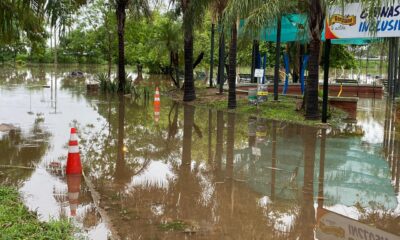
[[269, 180], [210, 175], [21, 151]]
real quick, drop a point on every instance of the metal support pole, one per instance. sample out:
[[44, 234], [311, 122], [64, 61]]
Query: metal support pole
[[326, 78], [389, 79], [395, 67], [396, 82], [277, 58], [366, 66]]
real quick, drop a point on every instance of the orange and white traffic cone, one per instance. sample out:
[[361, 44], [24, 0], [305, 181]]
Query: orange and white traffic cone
[[157, 97], [74, 187], [74, 165]]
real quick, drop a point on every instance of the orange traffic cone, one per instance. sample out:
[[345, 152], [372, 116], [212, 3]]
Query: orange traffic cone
[[74, 165], [74, 187], [157, 97]]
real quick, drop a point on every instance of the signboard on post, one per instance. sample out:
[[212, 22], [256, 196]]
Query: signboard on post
[[262, 89], [259, 73], [332, 226], [351, 21]]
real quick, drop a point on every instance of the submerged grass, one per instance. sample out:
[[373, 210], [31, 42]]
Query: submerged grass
[[17, 222], [173, 226], [283, 110]]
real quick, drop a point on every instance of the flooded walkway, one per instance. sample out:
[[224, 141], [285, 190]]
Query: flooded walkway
[[193, 173]]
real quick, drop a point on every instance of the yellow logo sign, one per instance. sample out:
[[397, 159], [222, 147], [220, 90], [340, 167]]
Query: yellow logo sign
[[344, 20]]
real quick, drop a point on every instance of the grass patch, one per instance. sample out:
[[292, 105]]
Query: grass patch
[[17, 222], [283, 110], [173, 226]]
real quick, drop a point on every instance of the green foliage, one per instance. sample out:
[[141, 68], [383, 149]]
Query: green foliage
[[173, 226], [111, 85], [106, 85], [16, 222], [21, 17], [284, 110], [341, 57]]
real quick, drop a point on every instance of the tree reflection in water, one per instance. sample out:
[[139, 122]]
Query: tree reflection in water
[[18, 149], [216, 196]]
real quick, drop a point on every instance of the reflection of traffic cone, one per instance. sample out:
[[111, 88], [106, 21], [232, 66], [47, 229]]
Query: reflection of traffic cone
[[74, 160], [157, 97], [156, 113], [74, 186], [157, 105]]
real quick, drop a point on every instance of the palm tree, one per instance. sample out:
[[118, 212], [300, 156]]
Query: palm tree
[[217, 8], [59, 17], [192, 11], [138, 8], [316, 18], [18, 16], [232, 68], [258, 14]]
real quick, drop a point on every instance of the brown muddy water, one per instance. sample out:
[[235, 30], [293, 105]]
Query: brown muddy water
[[193, 173]]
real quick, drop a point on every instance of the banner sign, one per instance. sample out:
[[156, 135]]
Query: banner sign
[[332, 226], [351, 21]]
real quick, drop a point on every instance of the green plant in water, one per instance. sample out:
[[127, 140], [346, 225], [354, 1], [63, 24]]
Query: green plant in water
[[111, 85], [173, 226]]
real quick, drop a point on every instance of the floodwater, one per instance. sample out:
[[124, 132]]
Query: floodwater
[[180, 172]]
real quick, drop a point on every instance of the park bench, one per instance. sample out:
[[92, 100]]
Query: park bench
[[346, 81]]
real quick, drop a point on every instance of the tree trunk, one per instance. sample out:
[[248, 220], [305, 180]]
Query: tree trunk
[[277, 58], [121, 45], [173, 68], [212, 53], [189, 92], [311, 96], [176, 65], [232, 68], [221, 60], [109, 39], [139, 77], [55, 46], [316, 23]]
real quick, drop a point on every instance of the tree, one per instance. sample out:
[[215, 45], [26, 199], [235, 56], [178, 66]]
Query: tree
[[218, 7], [259, 14], [192, 11], [232, 67], [138, 8], [316, 24], [21, 16], [59, 14], [168, 34], [187, 9]]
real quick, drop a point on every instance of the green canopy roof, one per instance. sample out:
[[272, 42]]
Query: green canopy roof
[[294, 29]]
